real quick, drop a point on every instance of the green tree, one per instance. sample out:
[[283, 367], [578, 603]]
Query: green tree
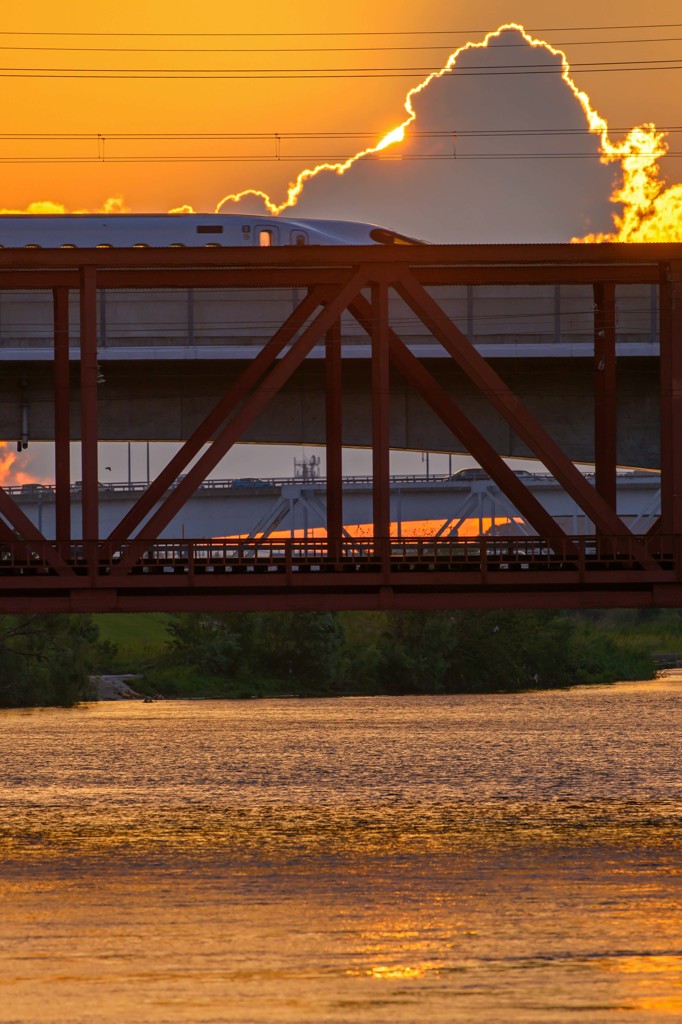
[[511, 650], [47, 659], [417, 651], [216, 644], [301, 649]]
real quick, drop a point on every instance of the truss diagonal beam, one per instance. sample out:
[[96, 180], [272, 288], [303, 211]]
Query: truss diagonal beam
[[30, 534], [259, 399], [215, 419], [433, 394], [500, 396], [9, 537]]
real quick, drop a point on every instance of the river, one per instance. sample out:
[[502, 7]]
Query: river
[[495, 858]]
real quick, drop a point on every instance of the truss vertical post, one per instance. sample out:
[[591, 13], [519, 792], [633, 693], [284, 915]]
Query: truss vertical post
[[88, 395], [605, 396], [671, 398], [62, 417], [334, 439], [381, 473]]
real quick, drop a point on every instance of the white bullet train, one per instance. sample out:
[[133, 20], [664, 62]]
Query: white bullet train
[[124, 230]]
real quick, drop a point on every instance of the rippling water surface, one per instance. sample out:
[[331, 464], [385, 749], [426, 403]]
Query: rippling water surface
[[475, 858]]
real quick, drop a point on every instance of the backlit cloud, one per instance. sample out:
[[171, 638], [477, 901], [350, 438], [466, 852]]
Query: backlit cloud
[[500, 144]]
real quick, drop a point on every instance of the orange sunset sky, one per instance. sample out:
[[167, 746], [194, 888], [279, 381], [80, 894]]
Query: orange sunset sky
[[51, 53]]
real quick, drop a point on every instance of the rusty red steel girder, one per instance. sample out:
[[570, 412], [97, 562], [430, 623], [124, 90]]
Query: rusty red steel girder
[[133, 570]]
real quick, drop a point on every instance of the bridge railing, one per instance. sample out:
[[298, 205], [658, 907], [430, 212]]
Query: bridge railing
[[238, 485], [396, 555]]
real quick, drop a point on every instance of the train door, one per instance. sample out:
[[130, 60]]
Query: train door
[[266, 235], [298, 237]]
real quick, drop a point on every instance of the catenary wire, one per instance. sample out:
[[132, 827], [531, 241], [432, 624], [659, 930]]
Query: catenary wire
[[386, 32], [550, 66], [326, 158], [271, 136], [319, 49]]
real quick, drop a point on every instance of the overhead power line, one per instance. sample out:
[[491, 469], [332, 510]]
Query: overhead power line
[[443, 133], [315, 74], [552, 65], [319, 49], [352, 33], [197, 158]]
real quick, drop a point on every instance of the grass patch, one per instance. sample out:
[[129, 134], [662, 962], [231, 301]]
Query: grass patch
[[139, 637]]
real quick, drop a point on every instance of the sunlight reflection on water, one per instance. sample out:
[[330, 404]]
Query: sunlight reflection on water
[[512, 858]]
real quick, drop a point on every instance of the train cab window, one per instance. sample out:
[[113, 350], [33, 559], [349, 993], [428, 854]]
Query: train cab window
[[265, 237], [299, 237], [209, 229], [385, 237]]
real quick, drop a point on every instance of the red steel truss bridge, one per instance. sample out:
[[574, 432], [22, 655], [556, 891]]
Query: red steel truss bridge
[[133, 569]]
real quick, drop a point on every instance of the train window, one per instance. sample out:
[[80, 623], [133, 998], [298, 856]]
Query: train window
[[32, 245], [209, 229], [141, 245], [213, 245], [68, 245], [246, 230], [298, 237], [177, 245], [385, 237], [104, 245], [265, 237]]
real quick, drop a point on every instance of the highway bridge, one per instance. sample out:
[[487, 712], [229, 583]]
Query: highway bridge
[[562, 353], [276, 506]]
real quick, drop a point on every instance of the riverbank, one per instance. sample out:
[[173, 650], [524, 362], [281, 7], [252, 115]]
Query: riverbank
[[51, 660], [115, 687], [242, 655]]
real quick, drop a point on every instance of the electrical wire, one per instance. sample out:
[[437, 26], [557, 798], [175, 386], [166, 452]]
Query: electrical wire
[[318, 35], [552, 65], [443, 133], [315, 74], [319, 49], [382, 157]]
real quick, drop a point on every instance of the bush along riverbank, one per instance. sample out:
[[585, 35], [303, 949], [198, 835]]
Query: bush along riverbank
[[326, 654], [48, 660]]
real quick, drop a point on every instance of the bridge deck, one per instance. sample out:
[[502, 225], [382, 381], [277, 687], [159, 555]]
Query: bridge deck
[[363, 573]]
